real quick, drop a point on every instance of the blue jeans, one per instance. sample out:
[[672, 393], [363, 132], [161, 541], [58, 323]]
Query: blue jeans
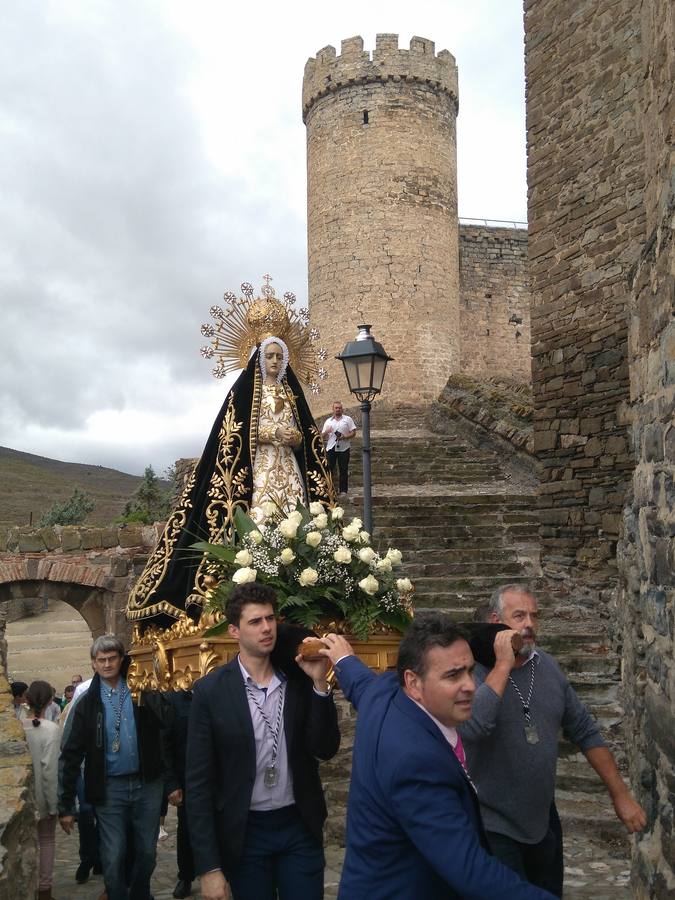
[[281, 859], [131, 806]]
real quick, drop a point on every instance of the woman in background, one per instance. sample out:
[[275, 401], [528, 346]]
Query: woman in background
[[44, 738]]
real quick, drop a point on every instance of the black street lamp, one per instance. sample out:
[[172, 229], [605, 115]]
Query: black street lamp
[[365, 361]]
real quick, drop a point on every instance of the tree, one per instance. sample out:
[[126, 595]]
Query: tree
[[151, 501], [72, 511]]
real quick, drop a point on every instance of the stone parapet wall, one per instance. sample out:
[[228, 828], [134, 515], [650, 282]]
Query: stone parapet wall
[[586, 229], [18, 832], [494, 303], [382, 208]]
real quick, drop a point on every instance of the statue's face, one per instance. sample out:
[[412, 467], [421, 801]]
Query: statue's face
[[274, 360]]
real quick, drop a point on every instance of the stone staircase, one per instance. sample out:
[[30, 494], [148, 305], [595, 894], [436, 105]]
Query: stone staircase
[[465, 520]]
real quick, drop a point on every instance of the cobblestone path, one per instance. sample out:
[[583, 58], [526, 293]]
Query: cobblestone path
[[591, 873]]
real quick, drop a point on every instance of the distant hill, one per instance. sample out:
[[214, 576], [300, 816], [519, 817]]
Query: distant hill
[[31, 484]]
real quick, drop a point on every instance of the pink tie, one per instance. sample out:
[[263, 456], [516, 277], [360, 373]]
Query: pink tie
[[459, 752]]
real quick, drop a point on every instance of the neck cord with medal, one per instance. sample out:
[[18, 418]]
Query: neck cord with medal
[[271, 777], [531, 735], [117, 723]]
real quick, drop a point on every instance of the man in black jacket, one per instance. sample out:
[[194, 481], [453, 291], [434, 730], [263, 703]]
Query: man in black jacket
[[255, 803], [119, 742]]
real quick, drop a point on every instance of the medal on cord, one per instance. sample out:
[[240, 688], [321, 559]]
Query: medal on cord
[[117, 723], [531, 735], [271, 777]]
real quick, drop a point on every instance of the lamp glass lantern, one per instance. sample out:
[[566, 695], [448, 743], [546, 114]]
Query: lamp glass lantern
[[365, 363]]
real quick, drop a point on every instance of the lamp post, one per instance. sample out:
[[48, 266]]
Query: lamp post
[[365, 362]]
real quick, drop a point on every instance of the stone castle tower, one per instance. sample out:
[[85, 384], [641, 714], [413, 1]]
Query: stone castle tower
[[382, 207]]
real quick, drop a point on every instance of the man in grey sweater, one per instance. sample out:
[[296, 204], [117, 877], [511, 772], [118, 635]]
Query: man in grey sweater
[[511, 744]]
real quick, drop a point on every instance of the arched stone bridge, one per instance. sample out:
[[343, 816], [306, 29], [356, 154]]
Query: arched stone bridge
[[90, 568]]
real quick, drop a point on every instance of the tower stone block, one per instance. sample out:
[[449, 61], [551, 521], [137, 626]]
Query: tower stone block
[[382, 207]]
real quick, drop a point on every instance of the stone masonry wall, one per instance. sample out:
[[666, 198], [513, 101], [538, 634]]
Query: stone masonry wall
[[494, 303], [586, 230], [382, 207], [646, 602]]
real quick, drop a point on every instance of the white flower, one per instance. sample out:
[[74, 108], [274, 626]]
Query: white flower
[[243, 558], [369, 585], [403, 585], [364, 536], [342, 555], [350, 533], [288, 527], [308, 577], [287, 556], [367, 554], [316, 508], [313, 538], [244, 575], [383, 565], [356, 523], [295, 516], [337, 513], [395, 556], [320, 521], [269, 508], [255, 536]]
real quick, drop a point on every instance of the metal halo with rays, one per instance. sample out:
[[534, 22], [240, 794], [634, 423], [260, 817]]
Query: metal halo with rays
[[247, 320]]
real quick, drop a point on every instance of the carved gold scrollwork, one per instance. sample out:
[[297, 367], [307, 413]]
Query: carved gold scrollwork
[[208, 659], [161, 665]]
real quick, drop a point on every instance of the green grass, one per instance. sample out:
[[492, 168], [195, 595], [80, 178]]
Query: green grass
[[31, 484]]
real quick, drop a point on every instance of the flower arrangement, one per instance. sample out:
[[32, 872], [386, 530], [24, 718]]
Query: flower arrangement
[[322, 569]]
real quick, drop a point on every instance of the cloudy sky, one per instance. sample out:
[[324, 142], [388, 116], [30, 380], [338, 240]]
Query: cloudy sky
[[152, 156]]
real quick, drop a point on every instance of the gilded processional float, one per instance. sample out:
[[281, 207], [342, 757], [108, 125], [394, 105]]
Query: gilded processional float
[[259, 504]]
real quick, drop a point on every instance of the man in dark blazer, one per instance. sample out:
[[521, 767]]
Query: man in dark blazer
[[413, 822], [254, 799]]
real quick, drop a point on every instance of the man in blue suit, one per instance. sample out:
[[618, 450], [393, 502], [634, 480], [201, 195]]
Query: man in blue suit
[[413, 823]]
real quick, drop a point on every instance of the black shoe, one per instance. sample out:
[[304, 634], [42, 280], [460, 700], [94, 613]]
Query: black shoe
[[82, 874], [97, 870], [182, 889]]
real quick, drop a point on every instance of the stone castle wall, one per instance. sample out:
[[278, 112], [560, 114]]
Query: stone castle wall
[[382, 206], [494, 303], [646, 602], [586, 226], [601, 114]]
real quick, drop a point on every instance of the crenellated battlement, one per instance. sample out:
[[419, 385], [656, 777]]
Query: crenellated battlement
[[327, 72]]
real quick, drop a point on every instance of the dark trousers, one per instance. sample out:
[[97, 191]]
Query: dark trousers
[[541, 864], [186, 865], [86, 826], [279, 855], [341, 461]]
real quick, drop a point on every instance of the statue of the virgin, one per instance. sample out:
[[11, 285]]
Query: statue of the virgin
[[264, 452]]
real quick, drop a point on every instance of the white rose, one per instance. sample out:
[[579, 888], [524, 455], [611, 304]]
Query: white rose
[[255, 536], [395, 556], [337, 513], [383, 565], [350, 533], [308, 577], [356, 523], [243, 558], [316, 508], [364, 536], [367, 554], [269, 508], [295, 516], [287, 556], [320, 521], [288, 527], [313, 538], [342, 555], [244, 575], [369, 585], [403, 585]]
